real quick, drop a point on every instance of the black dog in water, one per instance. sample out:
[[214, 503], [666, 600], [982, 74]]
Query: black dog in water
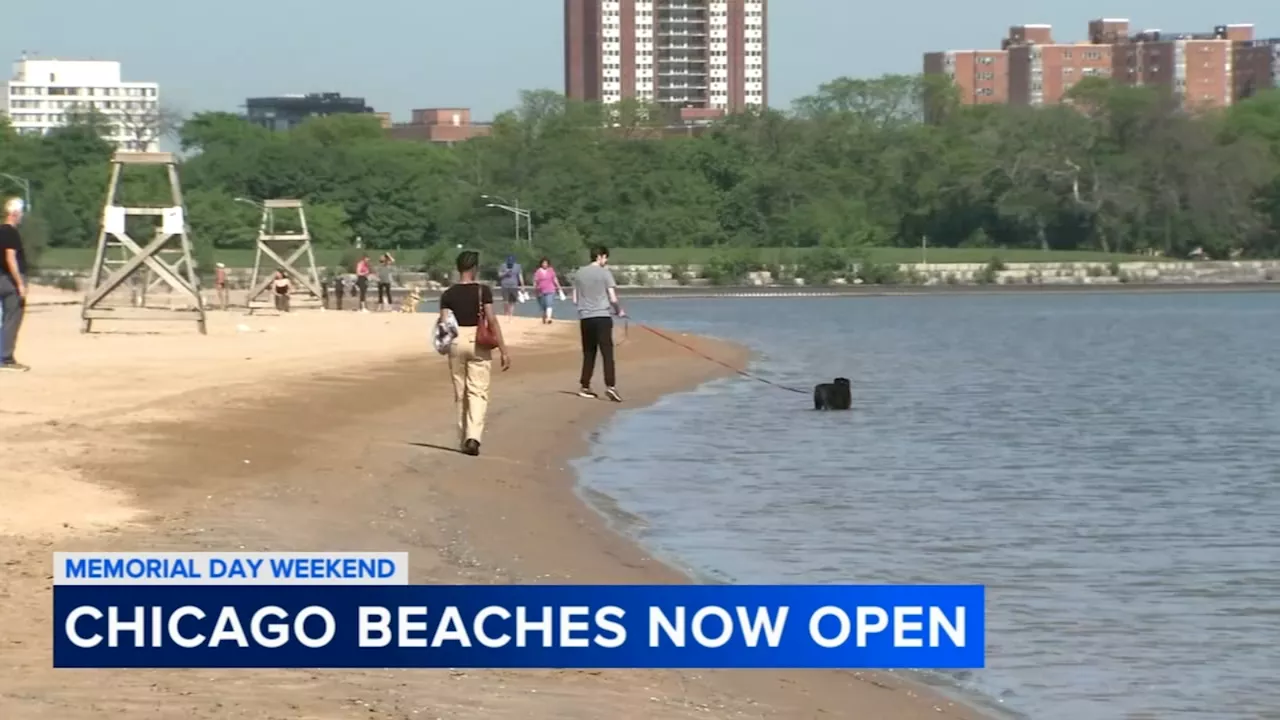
[[833, 395]]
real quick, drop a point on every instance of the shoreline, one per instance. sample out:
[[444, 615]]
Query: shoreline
[[762, 292], [340, 448], [958, 289]]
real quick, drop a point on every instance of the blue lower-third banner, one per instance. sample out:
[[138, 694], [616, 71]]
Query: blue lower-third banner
[[516, 626]]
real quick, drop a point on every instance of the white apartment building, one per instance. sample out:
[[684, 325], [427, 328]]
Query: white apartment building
[[44, 94], [700, 54]]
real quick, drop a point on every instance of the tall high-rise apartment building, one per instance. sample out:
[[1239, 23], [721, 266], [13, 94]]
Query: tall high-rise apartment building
[[700, 54], [981, 76], [45, 94], [1257, 66], [1203, 70]]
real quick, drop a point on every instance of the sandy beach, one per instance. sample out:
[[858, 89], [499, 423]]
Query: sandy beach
[[334, 431]]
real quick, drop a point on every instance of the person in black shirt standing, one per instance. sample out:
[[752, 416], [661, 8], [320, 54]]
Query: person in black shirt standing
[[471, 363], [13, 284]]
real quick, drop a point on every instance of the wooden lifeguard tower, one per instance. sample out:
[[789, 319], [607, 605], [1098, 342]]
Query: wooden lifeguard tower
[[165, 259], [299, 264]]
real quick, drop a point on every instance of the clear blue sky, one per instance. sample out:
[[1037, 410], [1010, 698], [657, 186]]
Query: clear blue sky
[[402, 54]]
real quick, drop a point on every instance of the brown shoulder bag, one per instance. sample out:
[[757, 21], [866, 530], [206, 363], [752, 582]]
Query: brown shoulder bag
[[485, 337]]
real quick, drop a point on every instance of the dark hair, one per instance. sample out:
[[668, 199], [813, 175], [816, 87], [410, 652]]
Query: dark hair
[[546, 260], [598, 251], [468, 260]]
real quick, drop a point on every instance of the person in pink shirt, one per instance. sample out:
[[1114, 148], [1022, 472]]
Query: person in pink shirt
[[362, 282], [547, 284]]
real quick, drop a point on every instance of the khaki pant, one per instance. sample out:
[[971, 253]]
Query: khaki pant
[[471, 368]]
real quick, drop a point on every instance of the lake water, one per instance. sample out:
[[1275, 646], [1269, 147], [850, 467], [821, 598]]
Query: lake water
[[1107, 465]]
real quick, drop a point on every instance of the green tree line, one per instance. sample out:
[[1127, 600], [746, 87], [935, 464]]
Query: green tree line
[[891, 161]]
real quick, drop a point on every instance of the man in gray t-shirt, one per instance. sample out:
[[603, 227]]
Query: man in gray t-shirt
[[510, 279], [596, 295]]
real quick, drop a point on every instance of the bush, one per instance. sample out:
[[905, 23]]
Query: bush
[[727, 270], [977, 239], [821, 265], [990, 274], [873, 273], [564, 245], [438, 261], [680, 272]]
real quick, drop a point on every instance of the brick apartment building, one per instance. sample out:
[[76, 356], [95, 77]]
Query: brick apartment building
[[982, 76], [1257, 66], [1212, 69], [681, 54]]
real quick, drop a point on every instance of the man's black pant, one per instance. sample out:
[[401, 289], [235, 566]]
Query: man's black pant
[[12, 307], [384, 290], [597, 335]]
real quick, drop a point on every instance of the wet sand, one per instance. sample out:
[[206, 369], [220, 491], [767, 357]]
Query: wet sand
[[334, 431]]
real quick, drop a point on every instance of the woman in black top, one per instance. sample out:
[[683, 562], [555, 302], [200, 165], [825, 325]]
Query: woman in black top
[[471, 364], [281, 286]]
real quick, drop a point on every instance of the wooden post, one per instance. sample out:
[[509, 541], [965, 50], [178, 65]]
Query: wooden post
[[161, 261]]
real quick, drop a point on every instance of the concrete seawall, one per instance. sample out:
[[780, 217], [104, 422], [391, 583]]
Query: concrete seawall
[[660, 279]]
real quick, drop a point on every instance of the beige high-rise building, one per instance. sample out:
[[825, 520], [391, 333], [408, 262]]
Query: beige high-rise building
[[696, 54]]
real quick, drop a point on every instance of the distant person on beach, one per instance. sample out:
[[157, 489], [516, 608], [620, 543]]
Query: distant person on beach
[[595, 292], [362, 282], [220, 285], [547, 285], [281, 287], [386, 265], [13, 284], [470, 303], [339, 289], [511, 279]]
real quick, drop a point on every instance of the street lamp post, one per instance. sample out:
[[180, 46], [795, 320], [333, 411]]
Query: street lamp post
[[519, 212], [26, 188]]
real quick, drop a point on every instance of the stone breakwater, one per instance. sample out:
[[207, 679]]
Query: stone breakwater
[[1243, 272], [1232, 272]]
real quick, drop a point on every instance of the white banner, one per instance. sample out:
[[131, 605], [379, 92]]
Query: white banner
[[173, 222], [113, 220]]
